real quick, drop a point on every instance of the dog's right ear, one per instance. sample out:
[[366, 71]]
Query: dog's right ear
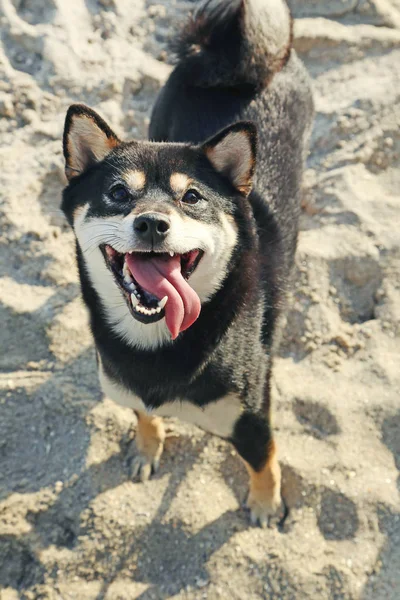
[[87, 139], [232, 152]]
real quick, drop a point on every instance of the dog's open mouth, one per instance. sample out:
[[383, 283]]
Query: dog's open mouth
[[155, 285]]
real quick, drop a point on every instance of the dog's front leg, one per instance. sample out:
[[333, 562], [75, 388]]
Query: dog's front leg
[[264, 499], [150, 433], [253, 440], [149, 440]]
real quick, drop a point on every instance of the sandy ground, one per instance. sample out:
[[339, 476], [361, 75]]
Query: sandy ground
[[72, 523]]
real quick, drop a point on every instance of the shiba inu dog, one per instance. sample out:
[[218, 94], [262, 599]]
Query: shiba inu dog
[[185, 243]]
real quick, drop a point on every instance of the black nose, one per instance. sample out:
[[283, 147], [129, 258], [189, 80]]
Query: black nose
[[152, 227]]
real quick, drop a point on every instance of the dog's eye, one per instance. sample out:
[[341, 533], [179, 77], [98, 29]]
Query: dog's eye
[[191, 197], [119, 193]]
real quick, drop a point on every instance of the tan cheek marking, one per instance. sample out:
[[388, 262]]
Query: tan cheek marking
[[135, 179], [79, 213], [179, 182], [229, 222], [230, 229]]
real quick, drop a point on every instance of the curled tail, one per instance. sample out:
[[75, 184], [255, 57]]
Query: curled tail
[[231, 43]]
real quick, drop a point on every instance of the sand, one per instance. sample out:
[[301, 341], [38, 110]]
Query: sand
[[72, 523]]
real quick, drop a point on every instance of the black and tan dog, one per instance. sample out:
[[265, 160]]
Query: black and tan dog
[[185, 244]]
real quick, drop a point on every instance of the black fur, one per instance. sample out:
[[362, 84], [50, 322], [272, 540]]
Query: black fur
[[230, 346], [250, 430]]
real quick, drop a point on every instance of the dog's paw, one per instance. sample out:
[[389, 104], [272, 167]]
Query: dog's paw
[[264, 500], [143, 467], [262, 507]]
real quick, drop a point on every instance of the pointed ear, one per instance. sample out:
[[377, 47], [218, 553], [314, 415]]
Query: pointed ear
[[87, 139], [232, 152]]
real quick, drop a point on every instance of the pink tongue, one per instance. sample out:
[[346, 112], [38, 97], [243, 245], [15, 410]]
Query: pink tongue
[[162, 277]]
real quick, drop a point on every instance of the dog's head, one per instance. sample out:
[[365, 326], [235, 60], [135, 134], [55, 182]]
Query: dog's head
[[156, 223]]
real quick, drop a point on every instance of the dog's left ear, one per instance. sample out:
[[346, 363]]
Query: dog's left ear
[[87, 139], [232, 152]]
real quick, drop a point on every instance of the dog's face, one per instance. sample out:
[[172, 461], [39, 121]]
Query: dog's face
[[156, 224]]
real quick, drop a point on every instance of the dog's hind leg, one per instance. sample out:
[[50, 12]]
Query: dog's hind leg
[[149, 441], [253, 440]]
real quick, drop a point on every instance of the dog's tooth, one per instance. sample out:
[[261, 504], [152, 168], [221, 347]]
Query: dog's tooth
[[158, 310], [134, 300], [131, 286], [172, 254], [125, 270], [163, 302]]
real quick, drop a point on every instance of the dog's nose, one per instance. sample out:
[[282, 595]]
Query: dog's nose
[[152, 227]]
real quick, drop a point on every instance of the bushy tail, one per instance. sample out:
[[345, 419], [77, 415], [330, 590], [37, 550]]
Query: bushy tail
[[231, 43]]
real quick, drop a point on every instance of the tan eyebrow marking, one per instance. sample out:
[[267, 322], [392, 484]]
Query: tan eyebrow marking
[[179, 182], [135, 179]]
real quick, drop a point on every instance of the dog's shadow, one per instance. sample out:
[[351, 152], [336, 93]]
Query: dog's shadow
[[168, 555], [164, 552], [46, 437]]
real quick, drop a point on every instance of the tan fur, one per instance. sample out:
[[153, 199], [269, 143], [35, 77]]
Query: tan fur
[[150, 436], [233, 155], [85, 135], [265, 488], [135, 179], [179, 183], [229, 223]]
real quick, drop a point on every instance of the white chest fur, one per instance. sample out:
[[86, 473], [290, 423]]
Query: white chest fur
[[218, 417]]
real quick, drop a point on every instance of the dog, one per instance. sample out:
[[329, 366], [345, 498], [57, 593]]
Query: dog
[[185, 243]]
